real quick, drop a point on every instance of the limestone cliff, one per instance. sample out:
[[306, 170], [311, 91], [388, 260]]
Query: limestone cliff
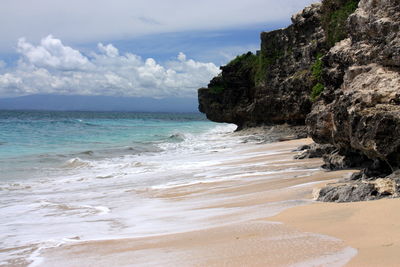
[[337, 73], [274, 86], [359, 110]]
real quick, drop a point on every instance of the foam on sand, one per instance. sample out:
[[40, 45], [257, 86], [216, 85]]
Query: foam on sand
[[219, 217]]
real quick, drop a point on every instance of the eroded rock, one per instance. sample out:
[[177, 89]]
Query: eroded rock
[[361, 190], [313, 151], [348, 192], [359, 111], [272, 87]]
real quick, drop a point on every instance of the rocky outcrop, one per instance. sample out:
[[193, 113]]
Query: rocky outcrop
[[274, 133], [229, 95], [361, 190], [348, 65], [274, 86], [359, 110], [313, 151]]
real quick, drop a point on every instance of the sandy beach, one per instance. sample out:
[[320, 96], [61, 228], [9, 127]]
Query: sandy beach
[[371, 227], [178, 133], [258, 220]]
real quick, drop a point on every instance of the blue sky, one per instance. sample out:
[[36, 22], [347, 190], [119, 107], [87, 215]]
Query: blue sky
[[149, 48]]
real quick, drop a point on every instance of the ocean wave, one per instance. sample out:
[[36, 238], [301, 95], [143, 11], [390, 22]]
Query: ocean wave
[[87, 152], [177, 137], [74, 121], [172, 138], [76, 163], [15, 186], [140, 148], [97, 154], [82, 209], [135, 164]]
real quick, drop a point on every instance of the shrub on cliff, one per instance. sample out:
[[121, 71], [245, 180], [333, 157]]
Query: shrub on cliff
[[216, 89], [248, 62], [243, 67], [316, 91], [334, 16], [316, 71], [317, 68]]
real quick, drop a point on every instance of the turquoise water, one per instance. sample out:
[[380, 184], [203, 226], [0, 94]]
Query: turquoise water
[[31, 133], [72, 177], [65, 175], [37, 139]]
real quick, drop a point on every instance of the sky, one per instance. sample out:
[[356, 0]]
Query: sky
[[128, 48]]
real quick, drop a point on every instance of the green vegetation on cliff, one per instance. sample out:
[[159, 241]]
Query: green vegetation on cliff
[[316, 91], [316, 71], [334, 16], [216, 89], [264, 61], [316, 68], [246, 63], [245, 66], [279, 83]]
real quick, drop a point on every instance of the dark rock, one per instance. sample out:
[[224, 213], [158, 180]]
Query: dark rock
[[357, 176], [362, 190], [268, 134], [272, 87], [348, 192], [372, 169], [314, 151], [302, 148], [337, 159]]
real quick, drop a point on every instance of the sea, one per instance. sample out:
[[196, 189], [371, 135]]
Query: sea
[[68, 176]]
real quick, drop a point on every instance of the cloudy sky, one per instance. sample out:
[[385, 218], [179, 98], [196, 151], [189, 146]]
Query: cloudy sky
[[152, 48]]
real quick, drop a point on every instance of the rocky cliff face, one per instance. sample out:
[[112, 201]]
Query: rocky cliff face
[[354, 61], [359, 110], [274, 86]]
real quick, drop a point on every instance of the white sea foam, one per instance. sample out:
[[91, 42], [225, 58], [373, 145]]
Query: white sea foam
[[77, 163], [110, 197], [91, 198], [35, 259]]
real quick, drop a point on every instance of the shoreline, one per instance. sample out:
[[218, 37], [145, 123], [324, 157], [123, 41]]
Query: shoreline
[[238, 230]]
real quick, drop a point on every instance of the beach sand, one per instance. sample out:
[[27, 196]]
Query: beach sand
[[372, 227], [245, 234]]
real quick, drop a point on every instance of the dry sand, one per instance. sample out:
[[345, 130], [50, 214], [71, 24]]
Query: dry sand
[[247, 236], [372, 227]]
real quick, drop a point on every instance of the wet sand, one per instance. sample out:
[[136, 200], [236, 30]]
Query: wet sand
[[239, 230]]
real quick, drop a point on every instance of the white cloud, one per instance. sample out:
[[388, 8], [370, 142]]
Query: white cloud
[[52, 67], [77, 21], [51, 53], [109, 50]]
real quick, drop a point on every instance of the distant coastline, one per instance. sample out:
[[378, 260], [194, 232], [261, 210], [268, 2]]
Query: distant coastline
[[99, 103]]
